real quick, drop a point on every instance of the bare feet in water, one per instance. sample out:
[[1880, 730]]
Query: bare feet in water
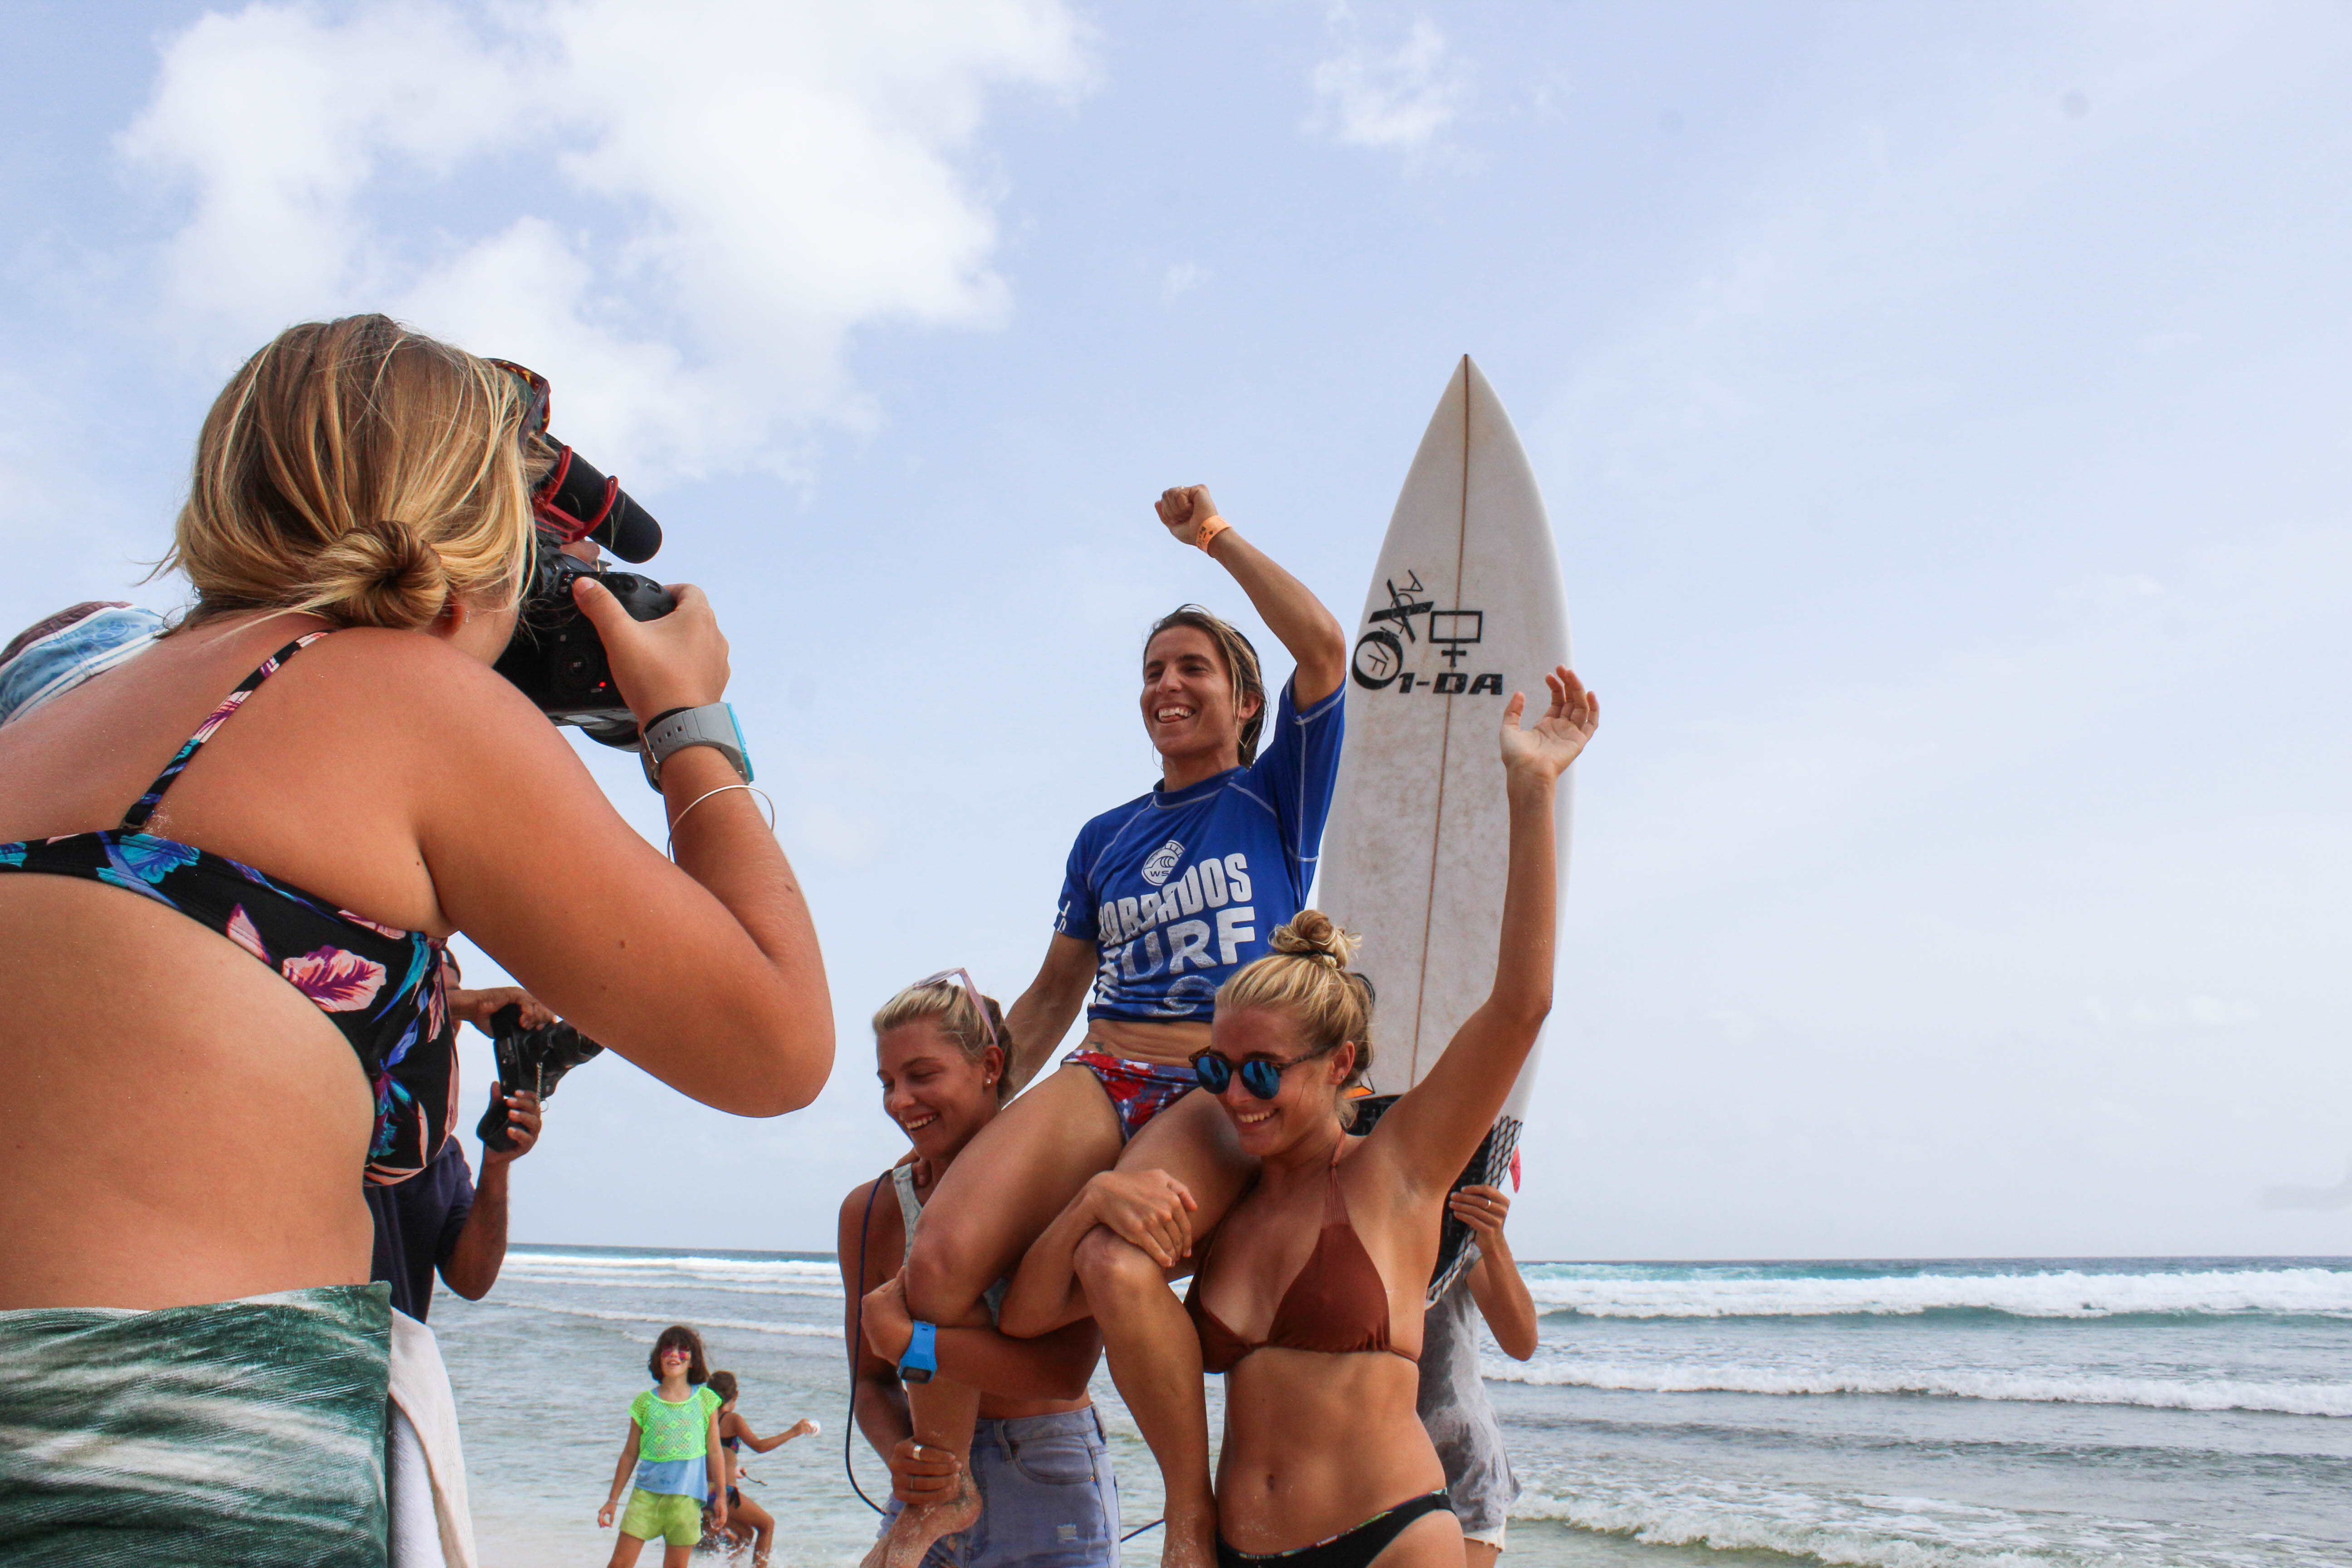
[[921, 1524]]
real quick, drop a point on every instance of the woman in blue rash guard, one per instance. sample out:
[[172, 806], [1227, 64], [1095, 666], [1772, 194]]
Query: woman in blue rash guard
[[1165, 898]]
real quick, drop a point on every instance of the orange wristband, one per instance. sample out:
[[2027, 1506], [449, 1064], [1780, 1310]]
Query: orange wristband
[[1206, 534]]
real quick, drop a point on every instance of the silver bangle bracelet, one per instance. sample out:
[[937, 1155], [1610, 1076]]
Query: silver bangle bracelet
[[672, 849]]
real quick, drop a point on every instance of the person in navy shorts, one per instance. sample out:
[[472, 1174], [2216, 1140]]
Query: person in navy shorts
[[1165, 897]]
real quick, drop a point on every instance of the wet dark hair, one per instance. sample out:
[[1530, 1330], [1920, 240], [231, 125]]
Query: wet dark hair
[[1241, 664], [698, 1370], [722, 1383]]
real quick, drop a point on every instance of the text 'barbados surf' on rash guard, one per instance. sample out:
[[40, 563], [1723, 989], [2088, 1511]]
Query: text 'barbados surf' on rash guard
[[1179, 889]]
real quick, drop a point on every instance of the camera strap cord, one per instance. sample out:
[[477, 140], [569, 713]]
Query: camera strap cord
[[849, 1425], [857, 1338]]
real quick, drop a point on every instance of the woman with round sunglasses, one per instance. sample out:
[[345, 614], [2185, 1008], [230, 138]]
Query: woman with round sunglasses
[[1164, 898], [224, 994], [1309, 1296]]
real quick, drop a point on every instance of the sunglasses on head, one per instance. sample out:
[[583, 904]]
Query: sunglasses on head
[[1261, 1078], [538, 397], [963, 978], [576, 500]]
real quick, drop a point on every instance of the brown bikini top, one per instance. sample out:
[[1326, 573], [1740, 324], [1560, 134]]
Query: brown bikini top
[[1335, 1306]]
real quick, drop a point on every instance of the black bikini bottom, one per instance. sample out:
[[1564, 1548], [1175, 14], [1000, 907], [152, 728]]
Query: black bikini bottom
[[1349, 1548]]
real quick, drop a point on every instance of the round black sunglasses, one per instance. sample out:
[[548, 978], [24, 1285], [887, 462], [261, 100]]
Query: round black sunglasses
[[1261, 1078]]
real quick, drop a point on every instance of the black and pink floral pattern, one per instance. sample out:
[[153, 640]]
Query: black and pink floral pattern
[[384, 987]]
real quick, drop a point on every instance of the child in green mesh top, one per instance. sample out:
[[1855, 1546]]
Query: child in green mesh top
[[673, 1450]]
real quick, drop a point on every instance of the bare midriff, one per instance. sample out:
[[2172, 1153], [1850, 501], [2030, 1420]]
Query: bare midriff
[[1171, 1043], [1316, 1443], [185, 1126], [997, 1407]]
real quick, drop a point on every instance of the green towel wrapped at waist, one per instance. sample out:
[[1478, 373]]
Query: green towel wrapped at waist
[[247, 1432]]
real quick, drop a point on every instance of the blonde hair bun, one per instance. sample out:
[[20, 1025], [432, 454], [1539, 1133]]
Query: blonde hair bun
[[1311, 934], [382, 574]]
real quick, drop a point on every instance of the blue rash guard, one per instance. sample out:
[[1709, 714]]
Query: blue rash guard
[[1178, 890]]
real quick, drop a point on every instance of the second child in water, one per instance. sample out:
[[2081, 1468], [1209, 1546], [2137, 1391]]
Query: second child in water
[[747, 1521]]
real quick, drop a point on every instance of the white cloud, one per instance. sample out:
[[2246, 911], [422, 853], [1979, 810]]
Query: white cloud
[[1181, 277], [680, 213], [1399, 94]]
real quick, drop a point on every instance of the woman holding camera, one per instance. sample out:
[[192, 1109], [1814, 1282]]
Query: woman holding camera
[[1164, 897], [227, 868]]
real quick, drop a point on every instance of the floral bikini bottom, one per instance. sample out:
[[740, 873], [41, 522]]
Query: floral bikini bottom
[[1138, 1090]]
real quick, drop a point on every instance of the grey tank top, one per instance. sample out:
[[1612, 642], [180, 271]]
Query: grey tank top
[[910, 1210]]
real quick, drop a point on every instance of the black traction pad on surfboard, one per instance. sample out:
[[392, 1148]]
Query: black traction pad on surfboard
[[1488, 1166]]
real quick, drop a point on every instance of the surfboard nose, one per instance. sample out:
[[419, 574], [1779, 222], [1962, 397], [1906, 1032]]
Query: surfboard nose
[[1465, 607]]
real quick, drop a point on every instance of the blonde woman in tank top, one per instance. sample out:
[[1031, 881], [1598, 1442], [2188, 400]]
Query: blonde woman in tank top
[[1039, 1465]]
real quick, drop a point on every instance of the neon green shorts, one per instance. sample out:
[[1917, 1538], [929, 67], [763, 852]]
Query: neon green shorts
[[663, 1516]]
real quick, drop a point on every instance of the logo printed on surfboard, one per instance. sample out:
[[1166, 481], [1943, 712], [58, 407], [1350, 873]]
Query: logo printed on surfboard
[[1379, 658], [1162, 864]]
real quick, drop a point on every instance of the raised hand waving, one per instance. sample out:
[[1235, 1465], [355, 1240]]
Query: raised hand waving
[[1545, 748]]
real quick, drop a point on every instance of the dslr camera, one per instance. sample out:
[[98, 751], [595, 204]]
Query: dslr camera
[[535, 1059], [555, 657]]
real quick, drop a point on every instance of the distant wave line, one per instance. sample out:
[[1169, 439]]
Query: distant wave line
[[822, 1267], [794, 1331], [812, 1291], [2323, 1399]]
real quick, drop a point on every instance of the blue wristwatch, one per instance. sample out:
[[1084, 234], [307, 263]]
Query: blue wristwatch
[[922, 1357]]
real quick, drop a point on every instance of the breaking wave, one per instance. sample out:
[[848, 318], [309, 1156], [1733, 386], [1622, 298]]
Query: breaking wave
[[1601, 1292], [2330, 1399]]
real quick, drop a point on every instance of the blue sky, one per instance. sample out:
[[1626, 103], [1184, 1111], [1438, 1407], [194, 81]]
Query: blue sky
[[1942, 411]]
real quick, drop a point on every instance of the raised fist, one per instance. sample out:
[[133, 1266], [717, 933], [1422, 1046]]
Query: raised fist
[[1183, 509]]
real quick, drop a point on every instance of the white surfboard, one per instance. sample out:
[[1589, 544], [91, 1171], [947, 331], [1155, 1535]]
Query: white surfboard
[[1466, 606]]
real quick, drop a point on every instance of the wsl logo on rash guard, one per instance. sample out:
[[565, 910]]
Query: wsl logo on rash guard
[[1164, 861]]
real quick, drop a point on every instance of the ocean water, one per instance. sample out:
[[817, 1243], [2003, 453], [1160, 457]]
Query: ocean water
[[1912, 1414]]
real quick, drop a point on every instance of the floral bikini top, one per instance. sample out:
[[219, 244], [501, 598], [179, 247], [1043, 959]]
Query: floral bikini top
[[383, 987]]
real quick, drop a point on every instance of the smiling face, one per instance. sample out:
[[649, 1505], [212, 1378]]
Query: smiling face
[[1307, 1105], [1187, 703], [937, 1095]]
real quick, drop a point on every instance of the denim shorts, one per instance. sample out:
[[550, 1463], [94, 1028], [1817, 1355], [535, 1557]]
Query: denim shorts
[[1046, 1497]]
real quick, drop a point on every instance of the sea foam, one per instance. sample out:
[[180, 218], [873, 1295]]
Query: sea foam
[[1885, 1531], [2330, 1399]]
